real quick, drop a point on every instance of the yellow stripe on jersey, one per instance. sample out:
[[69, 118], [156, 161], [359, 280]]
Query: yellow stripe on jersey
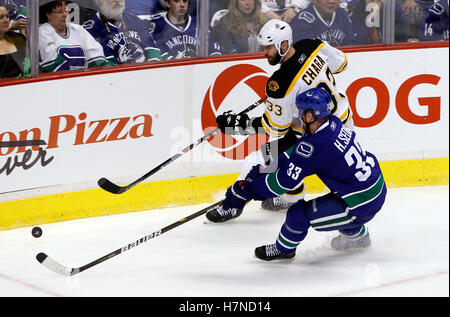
[[343, 66], [344, 115], [297, 128], [305, 65], [348, 120]]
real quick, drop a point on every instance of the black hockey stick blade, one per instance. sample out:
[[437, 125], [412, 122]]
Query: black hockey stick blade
[[56, 267], [109, 186]]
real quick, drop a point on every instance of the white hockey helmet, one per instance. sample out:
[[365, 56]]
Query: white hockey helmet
[[275, 32]]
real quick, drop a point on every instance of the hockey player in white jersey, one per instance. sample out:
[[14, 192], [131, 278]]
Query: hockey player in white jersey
[[306, 64], [65, 46]]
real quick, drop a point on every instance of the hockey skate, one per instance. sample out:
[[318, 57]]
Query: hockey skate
[[270, 252], [343, 242], [275, 204], [219, 214], [281, 202]]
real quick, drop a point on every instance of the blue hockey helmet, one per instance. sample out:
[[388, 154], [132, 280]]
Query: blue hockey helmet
[[316, 99]]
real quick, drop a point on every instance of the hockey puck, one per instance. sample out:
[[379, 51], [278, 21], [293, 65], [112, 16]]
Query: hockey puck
[[36, 232]]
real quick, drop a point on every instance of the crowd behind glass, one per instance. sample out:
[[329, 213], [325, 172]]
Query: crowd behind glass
[[88, 33]]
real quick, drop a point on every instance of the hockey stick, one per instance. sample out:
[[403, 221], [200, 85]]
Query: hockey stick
[[116, 189], [54, 266], [22, 143]]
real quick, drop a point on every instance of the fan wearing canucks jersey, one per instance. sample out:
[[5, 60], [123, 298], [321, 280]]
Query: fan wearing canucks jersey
[[123, 36], [434, 23], [175, 31], [332, 152], [305, 64], [65, 46], [326, 20]]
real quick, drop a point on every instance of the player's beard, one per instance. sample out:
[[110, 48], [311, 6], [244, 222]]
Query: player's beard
[[112, 13], [274, 60]]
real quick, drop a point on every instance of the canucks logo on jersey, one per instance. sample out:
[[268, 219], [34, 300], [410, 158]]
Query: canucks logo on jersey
[[186, 52], [124, 41], [131, 52]]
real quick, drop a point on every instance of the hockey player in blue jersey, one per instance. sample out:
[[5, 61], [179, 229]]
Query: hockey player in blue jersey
[[124, 37], [303, 65], [330, 151], [176, 31], [324, 19]]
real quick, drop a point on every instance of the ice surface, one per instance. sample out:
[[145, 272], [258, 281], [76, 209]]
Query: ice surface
[[409, 255]]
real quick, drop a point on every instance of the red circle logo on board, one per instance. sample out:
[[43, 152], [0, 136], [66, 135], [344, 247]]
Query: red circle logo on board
[[230, 146]]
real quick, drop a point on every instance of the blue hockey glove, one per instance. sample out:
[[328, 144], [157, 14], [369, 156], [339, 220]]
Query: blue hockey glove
[[254, 173], [236, 196]]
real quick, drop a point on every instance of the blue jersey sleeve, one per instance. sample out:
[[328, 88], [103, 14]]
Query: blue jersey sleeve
[[294, 165]]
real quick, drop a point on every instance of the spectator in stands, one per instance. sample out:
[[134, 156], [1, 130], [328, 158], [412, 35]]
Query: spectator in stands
[[12, 48], [416, 12], [326, 20], [237, 30], [62, 45], [192, 7], [175, 31], [407, 24], [123, 36], [410, 7], [17, 14], [286, 10], [433, 20]]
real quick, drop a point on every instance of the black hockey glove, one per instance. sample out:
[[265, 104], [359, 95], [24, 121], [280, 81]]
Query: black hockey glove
[[231, 123]]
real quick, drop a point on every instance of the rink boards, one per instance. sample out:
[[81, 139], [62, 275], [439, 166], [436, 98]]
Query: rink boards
[[121, 123]]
